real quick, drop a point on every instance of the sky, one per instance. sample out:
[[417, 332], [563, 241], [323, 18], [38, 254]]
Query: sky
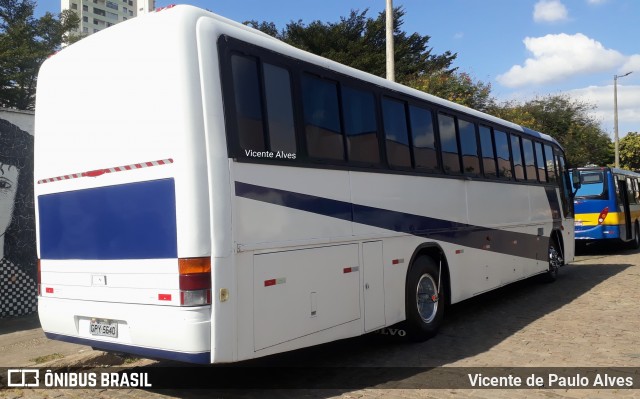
[[523, 48]]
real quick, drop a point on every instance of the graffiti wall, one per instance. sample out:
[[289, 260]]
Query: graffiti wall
[[18, 292]]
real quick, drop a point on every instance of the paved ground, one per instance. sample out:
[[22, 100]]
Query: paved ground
[[590, 317], [22, 343]]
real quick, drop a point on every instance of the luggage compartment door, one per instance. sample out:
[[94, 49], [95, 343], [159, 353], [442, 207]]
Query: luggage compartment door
[[301, 292]]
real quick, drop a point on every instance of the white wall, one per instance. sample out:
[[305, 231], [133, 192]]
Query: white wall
[[23, 119]]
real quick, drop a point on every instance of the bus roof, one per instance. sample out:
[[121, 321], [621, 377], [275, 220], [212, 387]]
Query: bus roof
[[613, 170]]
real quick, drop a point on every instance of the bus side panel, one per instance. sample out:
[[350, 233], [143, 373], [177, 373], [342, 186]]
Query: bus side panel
[[313, 204], [301, 292]]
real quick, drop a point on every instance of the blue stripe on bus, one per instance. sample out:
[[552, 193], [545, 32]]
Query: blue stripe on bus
[[127, 221], [149, 353], [495, 240], [594, 206], [598, 232]]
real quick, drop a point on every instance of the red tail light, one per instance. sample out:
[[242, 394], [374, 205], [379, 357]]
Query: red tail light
[[195, 281], [603, 215]]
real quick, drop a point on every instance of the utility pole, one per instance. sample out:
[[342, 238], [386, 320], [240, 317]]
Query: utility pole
[[391, 68], [615, 117]]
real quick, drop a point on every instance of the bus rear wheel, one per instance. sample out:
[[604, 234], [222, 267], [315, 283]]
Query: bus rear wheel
[[555, 261], [424, 301]]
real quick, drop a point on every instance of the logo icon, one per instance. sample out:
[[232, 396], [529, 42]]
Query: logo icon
[[23, 378]]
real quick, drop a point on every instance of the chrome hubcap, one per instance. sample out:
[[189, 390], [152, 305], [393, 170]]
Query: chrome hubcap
[[555, 260], [427, 298]]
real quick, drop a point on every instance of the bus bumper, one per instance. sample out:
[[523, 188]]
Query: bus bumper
[[600, 232], [157, 332]]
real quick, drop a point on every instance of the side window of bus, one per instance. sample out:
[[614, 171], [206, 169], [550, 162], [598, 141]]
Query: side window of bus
[[469, 146], [566, 188], [551, 169], [424, 139], [488, 155], [630, 193], [619, 193], [502, 154], [322, 118], [396, 133], [529, 160], [636, 193], [448, 144], [359, 111], [542, 174], [518, 165], [281, 137], [282, 132], [246, 85]]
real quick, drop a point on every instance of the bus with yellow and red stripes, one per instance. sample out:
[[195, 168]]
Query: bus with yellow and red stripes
[[607, 205]]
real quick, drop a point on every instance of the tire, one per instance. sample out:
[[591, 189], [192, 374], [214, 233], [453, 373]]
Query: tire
[[555, 261], [423, 306]]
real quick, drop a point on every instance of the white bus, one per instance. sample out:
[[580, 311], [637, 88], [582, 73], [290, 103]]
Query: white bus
[[207, 193]]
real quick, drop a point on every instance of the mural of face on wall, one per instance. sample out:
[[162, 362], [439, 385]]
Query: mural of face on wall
[[18, 292], [8, 188]]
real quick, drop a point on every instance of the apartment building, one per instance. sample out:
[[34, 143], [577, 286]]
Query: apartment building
[[96, 15]]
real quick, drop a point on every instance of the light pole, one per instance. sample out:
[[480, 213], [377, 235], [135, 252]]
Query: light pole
[[615, 117], [391, 68]]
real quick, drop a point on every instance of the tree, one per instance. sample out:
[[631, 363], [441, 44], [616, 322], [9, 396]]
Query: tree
[[568, 121], [359, 41], [25, 42], [629, 147], [457, 87]]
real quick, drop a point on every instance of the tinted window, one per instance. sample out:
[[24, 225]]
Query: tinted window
[[396, 133], [529, 159], [551, 170], [322, 118], [360, 125], [448, 144], [630, 195], [566, 188], [502, 154], [282, 135], [469, 146], [247, 101], [424, 138], [488, 157], [592, 184], [540, 161], [516, 151]]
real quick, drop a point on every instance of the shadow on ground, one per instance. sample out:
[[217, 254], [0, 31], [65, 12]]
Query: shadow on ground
[[604, 248], [14, 324]]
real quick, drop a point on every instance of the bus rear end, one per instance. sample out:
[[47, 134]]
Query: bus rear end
[[596, 214], [122, 197]]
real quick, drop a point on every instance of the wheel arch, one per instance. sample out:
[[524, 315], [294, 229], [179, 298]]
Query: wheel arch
[[556, 236]]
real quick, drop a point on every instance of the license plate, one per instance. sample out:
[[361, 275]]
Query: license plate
[[104, 328]]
